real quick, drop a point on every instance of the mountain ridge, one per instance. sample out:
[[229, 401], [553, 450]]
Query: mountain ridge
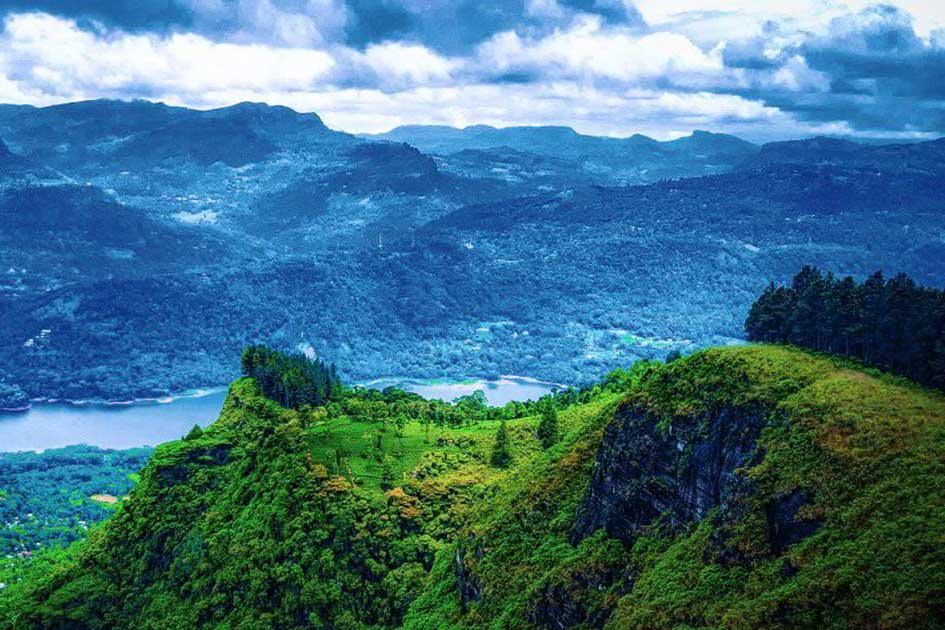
[[803, 493]]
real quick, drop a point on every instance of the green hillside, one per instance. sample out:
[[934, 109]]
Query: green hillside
[[750, 487]]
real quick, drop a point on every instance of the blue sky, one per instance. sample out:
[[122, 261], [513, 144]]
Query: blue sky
[[761, 69]]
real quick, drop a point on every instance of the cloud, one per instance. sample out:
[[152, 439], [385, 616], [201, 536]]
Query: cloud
[[588, 50], [607, 66], [454, 27], [868, 68], [447, 26], [83, 64]]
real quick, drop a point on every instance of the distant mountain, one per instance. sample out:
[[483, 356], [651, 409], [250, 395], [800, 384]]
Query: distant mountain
[[636, 159], [915, 156], [154, 241], [117, 134], [276, 178]]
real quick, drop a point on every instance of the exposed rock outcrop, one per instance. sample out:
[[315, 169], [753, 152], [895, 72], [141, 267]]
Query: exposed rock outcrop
[[785, 525], [644, 473], [468, 584]]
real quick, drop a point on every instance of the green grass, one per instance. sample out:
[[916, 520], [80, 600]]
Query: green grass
[[401, 450], [254, 524]]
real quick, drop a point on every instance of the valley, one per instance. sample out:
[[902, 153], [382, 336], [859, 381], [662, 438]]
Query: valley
[[132, 273]]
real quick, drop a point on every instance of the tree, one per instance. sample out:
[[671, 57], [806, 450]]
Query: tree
[[292, 380], [387, 475], [548, 426], [473, 406], [892, 324], [501, 457]]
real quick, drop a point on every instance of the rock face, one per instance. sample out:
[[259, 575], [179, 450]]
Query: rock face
[[468, 584], [644, 473], [558, 604], [784, 525]]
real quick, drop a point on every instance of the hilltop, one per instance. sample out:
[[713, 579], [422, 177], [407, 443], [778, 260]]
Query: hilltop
[[752, 487]]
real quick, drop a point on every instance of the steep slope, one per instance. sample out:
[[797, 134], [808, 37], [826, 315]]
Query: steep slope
[[755, 487], [748, 488], [56, 234]]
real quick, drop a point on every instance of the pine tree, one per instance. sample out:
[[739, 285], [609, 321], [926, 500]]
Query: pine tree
[[501, 458], [892, 324], [387, 475], [548, 426]]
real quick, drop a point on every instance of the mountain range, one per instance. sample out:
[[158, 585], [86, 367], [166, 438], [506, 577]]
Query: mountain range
[[151, 243]]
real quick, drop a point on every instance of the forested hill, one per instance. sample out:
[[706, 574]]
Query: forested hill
[[587, 279], [143, 246], [892, 324], [751, 487]]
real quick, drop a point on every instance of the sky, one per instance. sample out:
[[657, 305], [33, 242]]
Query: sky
[[762, 69]]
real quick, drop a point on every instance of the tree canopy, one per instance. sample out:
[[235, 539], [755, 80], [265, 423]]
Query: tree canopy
[[892, 324]]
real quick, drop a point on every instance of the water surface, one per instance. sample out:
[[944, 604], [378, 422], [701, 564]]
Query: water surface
[[54, 425], [498, 392]]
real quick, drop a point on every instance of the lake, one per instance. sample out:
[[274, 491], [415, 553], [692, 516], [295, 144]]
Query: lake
[[54, 425], [498, 392]]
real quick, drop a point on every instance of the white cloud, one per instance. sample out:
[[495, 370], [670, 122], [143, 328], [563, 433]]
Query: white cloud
[[54, 56], [597, 77], [589, 50], [399, 64]]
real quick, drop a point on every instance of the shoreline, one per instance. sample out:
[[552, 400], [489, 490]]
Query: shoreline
[[210, 390], [152, 400], [27, 407]]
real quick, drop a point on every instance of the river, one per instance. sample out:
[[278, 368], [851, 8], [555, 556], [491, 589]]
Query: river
[[119, 426]]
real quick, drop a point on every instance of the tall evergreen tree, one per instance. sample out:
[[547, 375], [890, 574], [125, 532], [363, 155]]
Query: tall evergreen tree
[[548, 426], [292, 380], [501, 457], [892, 324]]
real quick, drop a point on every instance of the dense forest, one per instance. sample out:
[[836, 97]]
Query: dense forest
[[744, 487], [50, 499], [12, 397], [292, 380], [256, 224], [892, 324]]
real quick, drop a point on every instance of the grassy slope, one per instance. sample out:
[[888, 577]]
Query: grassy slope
[[869, 449], [244, 526]]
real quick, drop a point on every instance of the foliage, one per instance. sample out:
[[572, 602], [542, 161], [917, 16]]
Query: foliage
[[892, 324], [12, 397], [292, 380], [548, 426], [342, 515], [501, 458], [46, 498]]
